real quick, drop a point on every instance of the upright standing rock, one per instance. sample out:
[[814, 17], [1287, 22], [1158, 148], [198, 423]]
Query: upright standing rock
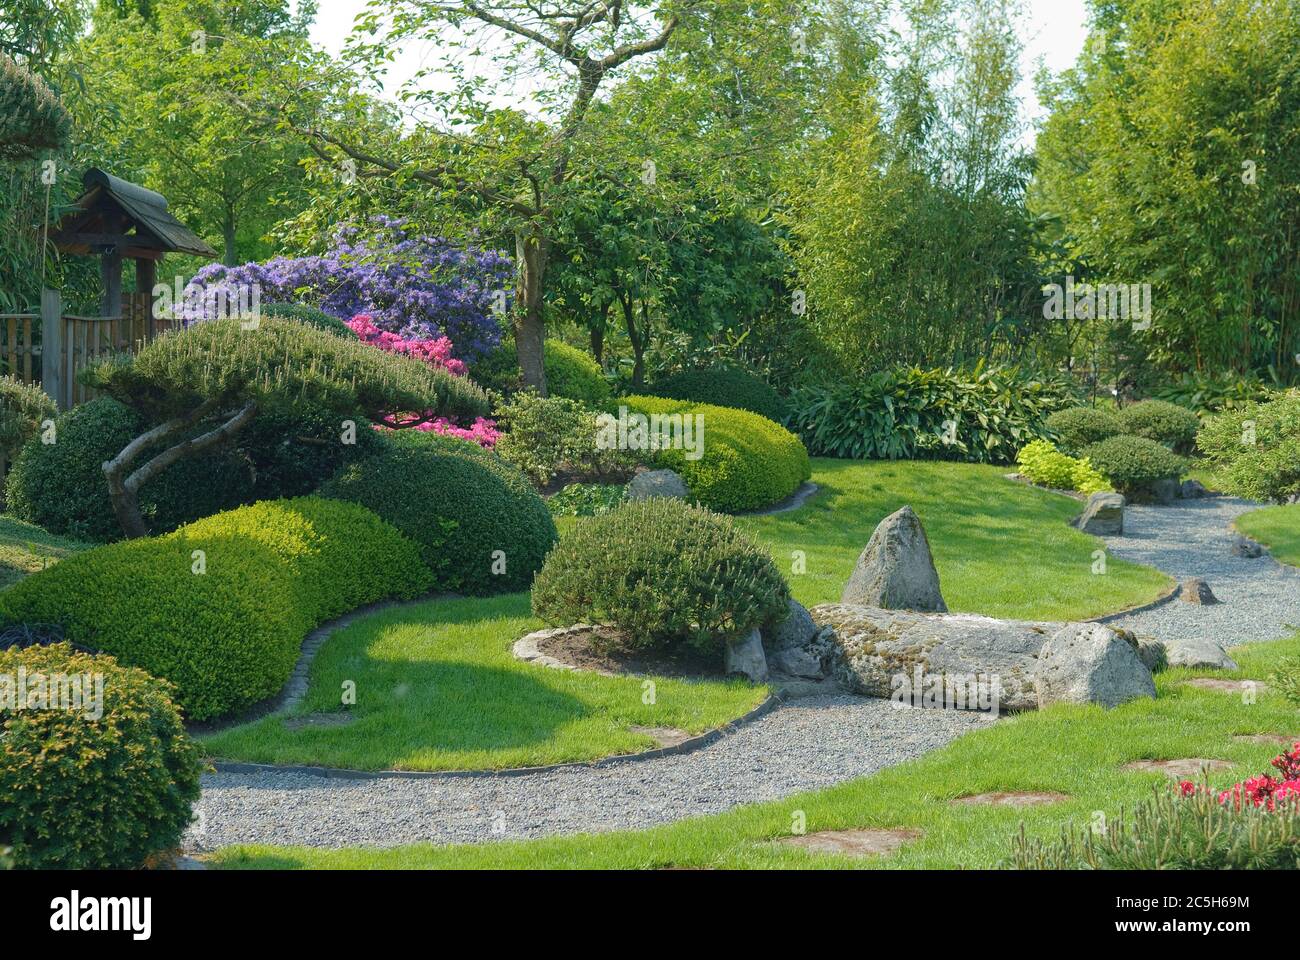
[[896, 571]]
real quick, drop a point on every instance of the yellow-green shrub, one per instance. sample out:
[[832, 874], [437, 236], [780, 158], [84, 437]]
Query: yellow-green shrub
[[80, 791], [219, 607], [748, 461], [1040, 462]]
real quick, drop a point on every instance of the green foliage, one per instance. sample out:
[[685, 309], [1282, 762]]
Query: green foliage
[[1255, 448], [570, 373], [585, 499], [290, 453], [86, 792], [1286, 679], [224, 625], [723, 387], [32, 120], [60, 486], [663, 573], [552, 436], [280, 364], [460, 503], [1041, 463], [1171, 832], [23, 406], [746, 462], [1208, 393], [1164, 422], [1201, 203], [903, 413], [313, 316], [1079, 427], [1133, 464]]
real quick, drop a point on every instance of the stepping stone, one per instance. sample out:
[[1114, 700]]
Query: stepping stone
[[1197, 591], [664, 736], [318, 721], [854, 843], [1279, 738], [1186, 769], [1028, 798], [1224, 686]]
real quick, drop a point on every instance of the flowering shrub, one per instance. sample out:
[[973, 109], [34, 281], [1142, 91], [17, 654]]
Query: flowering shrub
[[1263, 791], [418, 287], [434, 352]]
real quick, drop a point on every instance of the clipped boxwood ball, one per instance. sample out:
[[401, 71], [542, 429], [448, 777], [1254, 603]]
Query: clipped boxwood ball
[[1133, 464], [480, 525], [80, 791], [1078, 427], [1163, 422], [663, 573], [723, 387]]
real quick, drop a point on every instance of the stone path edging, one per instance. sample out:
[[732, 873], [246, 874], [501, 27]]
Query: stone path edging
[[1170, 594], [688, 745], [805, 491]]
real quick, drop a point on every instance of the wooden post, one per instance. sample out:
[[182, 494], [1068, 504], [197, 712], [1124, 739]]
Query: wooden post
[[52, 346], [110, 275]]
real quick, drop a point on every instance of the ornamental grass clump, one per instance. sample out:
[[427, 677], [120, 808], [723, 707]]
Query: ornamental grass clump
[[664, 574]]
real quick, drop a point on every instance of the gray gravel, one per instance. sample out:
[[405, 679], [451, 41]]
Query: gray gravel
[[808, 744], [1260, 597]]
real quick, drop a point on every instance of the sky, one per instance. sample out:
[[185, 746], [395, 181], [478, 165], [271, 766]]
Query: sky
[[1054, 33]]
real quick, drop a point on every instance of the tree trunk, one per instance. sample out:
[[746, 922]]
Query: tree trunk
[[228, 234], [531, 249], [598, 337], [637, 339]]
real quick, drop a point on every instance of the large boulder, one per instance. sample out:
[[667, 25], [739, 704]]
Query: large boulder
[[896, 571], [1091, 663], [796, 646], [877, 650], [744, 655], [658, 483], [1198, 652], [1103, 516]]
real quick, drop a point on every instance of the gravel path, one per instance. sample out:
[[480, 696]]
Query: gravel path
[[811, 743], [1260, 597]]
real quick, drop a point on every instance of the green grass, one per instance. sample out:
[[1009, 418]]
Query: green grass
[[1076, 750], [1002, 548], [438, 689], [1278, 528], [26, 549]]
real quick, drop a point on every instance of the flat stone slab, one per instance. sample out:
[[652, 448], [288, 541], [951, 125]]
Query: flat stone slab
[[1279, 738], [664, 736], [1224, 686], [1185, 769], [1017, 798], [871, 841]]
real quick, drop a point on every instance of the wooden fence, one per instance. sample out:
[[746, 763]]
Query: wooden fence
[[50, 347]]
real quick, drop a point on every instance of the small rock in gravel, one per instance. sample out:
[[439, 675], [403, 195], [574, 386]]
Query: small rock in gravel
[[1246, 549], [1194, 490], [1195, 590]]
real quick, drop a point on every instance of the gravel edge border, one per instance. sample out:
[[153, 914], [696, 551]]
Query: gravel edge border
[[689, 745], [802, 494], [1167, 597]]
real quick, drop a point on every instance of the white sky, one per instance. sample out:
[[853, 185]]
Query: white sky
[[1053, 34]]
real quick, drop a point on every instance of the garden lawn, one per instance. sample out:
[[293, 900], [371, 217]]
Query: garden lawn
[[1002, 548], [1278, 528], [437, 688], [25, 548], [1076, 750]]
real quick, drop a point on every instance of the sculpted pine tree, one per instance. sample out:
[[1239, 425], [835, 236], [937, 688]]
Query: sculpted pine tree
[[201, 386]]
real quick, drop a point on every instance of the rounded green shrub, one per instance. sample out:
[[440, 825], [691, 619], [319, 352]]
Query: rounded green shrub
[[1163, 422], [480, 525], [1078, 427], [663, 573], [1040, 462], [570, 373], [1133, 464], [220, 607], [313, 316], [723, 387], [60, 485], [744, 462], [107, 786], [546, 437], [1256, 448], [23, 407]]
